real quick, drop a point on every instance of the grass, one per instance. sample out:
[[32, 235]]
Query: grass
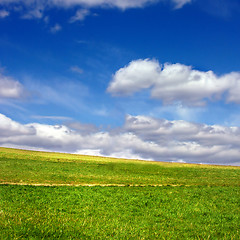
[[21, 166], [119, 212], [190, 201]]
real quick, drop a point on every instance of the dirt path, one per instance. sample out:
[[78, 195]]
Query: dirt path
[[88, 185]]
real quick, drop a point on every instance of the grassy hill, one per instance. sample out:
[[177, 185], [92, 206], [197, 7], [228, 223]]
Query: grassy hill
[[64, 196]]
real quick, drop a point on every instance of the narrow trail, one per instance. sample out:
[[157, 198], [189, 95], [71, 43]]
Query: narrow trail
[[90, 185]]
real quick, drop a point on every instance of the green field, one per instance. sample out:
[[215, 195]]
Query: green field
[[64, 196]]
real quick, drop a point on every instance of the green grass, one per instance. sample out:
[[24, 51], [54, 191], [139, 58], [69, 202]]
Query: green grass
[[119, 212], [191, 201], [19, 166]]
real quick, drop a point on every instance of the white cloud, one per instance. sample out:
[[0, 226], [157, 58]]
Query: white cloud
[[56, 28], [9, 128], [233, 80], [173, 83], [140, 137], [4, 13], [136, 76], [35, 8], [80, 15], [84, 129], [10, 88], [180, 3], [123, 4]]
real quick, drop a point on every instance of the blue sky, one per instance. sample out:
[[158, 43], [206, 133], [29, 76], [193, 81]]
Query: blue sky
[[145, 79]]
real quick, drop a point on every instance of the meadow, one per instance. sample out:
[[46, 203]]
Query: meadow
[[64, 196]]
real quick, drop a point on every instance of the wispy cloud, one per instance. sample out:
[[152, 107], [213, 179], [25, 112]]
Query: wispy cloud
[[66, 94], [56, 28], [100, 112], [173, 83], [80, 15], [35, 13], [4, 13], [35, 9], [220, 8], [180, 3], [122, 4], [76, 69], [61, 118]]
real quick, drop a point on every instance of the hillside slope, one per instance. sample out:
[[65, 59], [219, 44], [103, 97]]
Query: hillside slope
[[33, 167], [47, 196]]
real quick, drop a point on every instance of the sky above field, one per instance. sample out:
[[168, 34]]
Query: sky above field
[[147, 79]]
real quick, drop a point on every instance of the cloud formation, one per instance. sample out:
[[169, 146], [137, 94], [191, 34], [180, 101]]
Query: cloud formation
[[80, 15], [56, 28], [180, 3], [4, 13], [122, 4], [10, 88], [36, 8], [141, 137], [173, 83]]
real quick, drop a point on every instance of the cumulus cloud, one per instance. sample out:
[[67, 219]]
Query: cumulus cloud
[[83, 129], [10, 128], [141, 137], [136, 76], [173, 83], [10, 88], [36, 8]]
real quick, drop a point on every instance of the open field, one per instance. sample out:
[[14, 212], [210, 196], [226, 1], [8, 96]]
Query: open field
[[119, 212], [148, 200], [21, 166]]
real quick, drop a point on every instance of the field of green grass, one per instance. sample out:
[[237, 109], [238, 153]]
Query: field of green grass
[[65, 196]]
